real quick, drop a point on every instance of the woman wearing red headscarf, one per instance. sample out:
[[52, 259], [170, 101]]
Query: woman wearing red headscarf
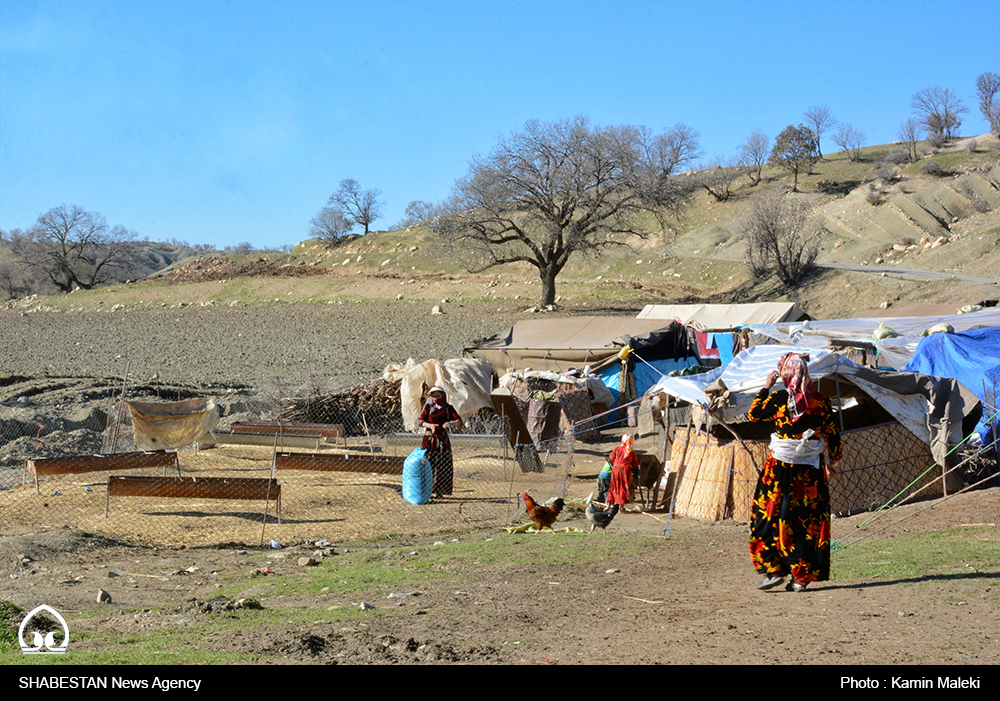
[[790, 514], [623, 462]]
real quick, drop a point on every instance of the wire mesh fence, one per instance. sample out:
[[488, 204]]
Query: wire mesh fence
[[289, 460]]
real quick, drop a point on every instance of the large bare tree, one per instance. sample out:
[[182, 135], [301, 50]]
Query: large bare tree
[[555, 189], [71, 248], [939, 110], [987, 89], [820, 120], [360, 205]]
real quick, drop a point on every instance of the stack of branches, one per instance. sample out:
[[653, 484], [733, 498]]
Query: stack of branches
[[373, 408]]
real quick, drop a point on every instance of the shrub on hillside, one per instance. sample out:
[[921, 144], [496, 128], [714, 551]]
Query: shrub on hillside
[[931, 168]]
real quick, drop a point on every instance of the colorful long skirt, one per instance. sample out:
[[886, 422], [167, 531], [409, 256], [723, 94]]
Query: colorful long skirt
[[790, 522]]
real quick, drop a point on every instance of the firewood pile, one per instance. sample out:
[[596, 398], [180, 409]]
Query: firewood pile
[[378, 405]]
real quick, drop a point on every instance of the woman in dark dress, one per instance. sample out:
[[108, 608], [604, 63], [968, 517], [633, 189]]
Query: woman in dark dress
[[437, 416], [790, 514]]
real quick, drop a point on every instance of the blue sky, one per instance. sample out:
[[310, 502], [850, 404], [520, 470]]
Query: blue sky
[[222, 122]]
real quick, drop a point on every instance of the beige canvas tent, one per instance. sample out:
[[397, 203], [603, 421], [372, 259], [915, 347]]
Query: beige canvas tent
[[558, 344], [711, 317]]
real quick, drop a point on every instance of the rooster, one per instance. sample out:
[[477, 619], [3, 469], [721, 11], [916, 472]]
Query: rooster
[[600, 518], [542, 515]]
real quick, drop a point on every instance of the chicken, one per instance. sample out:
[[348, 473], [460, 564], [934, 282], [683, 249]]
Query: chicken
[[542, 515], [599, 518]]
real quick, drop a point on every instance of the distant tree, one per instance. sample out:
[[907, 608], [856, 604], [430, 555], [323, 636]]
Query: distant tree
[[987, 89], [329, 224], [754, 154], [12, 281], [360, 205], [70, 247], [820, 120], [416, 212], [851, 140], [717, 178], [555, 189], [241, 248], [939, 110], [908, 133], [795, 150], [778, 236]]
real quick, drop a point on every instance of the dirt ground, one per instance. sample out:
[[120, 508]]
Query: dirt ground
[[689, 598]]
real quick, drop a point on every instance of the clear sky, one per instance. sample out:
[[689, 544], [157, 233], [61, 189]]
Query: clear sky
[[222, 122]]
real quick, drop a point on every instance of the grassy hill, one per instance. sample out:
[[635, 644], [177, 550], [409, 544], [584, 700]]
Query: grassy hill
[[866, 218]]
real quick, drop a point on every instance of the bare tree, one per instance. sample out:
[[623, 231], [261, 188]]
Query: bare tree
[[554, 189], [416, 212], [717, 178], [851, 140], [795, 150], [71, 248], [778, 236], [820, 120], [939, 110], [987, 89], [360, 205], [329, 224], [909, 134], [754, 154]]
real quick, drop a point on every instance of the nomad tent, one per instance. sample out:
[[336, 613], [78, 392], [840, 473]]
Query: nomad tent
[[895, 426], [715, 323], [893, 352]]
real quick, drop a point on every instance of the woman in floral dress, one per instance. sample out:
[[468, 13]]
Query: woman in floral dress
[[790, 515], [437, 417]]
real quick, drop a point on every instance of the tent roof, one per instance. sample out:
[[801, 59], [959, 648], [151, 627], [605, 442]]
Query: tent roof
[[562, 342], [894, 351], [725, 316], [932, 408]]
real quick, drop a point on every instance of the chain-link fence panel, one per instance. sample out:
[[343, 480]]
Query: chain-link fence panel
[[289, 459]]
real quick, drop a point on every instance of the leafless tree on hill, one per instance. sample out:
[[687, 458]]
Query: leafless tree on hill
[[851, 140], [987, 90], [69, 248], [820, 120], [329, 224], [908, 133], [360, 205], [555, 189], [717, 177], [940, 112], [754, 154], [778, 236]]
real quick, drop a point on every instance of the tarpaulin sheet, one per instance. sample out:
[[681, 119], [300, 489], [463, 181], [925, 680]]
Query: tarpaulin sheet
[[171, 425], [972, 358], [467, 383]]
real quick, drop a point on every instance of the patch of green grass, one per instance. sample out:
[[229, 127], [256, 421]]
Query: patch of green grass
[[957, 553]]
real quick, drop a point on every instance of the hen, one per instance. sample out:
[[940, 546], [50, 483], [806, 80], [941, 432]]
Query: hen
[[543, 516], [600, 519]]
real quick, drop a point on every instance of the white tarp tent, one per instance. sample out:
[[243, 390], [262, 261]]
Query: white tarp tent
[[466, 381], [894, 352], [724, 316], [931, 408]]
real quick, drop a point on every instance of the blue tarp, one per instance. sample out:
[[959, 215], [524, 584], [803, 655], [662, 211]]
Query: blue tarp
[[971, 357]]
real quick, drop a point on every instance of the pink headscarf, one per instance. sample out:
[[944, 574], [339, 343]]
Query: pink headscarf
[[794, 371], [627, 442]]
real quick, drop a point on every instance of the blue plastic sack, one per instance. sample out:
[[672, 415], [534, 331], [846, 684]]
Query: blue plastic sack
[[418, 477]]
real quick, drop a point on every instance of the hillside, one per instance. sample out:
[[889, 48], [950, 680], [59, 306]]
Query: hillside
[[947, 223]]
